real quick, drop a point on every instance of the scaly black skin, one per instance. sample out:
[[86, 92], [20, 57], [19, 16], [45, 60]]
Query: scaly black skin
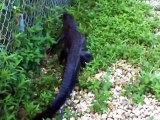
[[74, 54]]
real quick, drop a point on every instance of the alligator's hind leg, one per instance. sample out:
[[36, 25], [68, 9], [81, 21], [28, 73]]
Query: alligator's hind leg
[[86, 57], [63, 56], [58, 41]]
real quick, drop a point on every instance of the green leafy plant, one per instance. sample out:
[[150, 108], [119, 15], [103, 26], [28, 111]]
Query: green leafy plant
[[21, 77]]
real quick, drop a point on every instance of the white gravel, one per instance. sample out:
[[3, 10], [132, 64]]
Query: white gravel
[[120, 107], [153, 3]]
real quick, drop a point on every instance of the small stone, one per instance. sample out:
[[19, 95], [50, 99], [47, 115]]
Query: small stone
[[110, 115], [99, 75], [85, 90], [147, 101], [129, 75], [124, 103], [109, 118], [152, 108], [118, 72], [158, 33], [118, 88], [117, 116], [120, 111], [72, 118], [110, 105], [135, 118], [77, 88], [76, 101], [90, 95], [104, 116], [127, 114], [84, 118], [131, 115], [142, 111], [125, 107], [139, 107], [130, 107], [137, 113], [145, 106]]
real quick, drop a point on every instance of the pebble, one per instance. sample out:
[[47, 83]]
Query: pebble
[[137, 113], [120, 107], [120, 111], [72, 118], [147, 101], [104, 116], [118, 88], [110, 119]]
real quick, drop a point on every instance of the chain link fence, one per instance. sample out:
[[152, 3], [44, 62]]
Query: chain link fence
[[19, 14]]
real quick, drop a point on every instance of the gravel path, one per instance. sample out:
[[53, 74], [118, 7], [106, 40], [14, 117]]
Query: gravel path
[[120, 107]]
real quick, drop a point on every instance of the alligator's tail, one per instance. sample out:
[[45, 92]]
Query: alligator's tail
[[68, 83]]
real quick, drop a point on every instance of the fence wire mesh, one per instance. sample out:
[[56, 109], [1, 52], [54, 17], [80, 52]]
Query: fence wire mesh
[[19, 14]]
